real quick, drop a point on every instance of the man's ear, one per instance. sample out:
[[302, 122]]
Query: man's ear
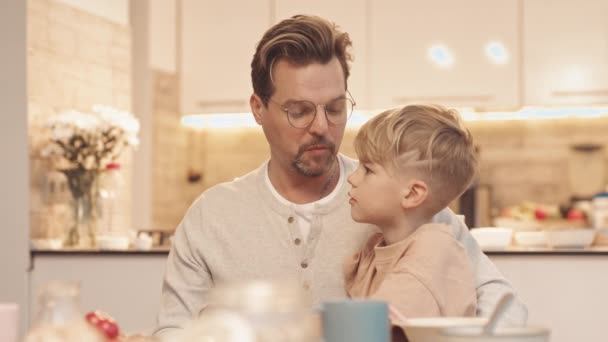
[[257, 108], [414, 194]]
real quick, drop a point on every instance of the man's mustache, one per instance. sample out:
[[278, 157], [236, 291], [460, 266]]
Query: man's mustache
[[321, 142]]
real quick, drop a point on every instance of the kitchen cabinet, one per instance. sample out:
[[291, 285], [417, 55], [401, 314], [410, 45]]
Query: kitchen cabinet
[[125, 285], [351, 17], [565, 293], [565, 49], [457, 53], [218, 40]]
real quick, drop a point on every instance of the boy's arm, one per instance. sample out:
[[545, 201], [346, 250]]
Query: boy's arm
[[491, 285]]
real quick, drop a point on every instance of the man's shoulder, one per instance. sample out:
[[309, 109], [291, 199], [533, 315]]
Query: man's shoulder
[[349, 163], [226, 192]]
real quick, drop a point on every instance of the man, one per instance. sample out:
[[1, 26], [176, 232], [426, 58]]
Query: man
[[290, 218]]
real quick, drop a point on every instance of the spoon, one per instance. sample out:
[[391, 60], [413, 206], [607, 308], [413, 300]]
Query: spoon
[[503, 304]]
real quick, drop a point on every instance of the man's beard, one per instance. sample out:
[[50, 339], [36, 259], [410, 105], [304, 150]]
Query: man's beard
[[304, 169]]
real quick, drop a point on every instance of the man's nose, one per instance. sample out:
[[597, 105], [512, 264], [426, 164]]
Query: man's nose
[[319, 124]]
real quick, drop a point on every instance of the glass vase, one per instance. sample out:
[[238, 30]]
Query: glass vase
[[86, 214]]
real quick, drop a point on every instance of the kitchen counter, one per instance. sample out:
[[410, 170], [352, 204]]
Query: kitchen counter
[[559, 286], [594, 250], [97, 251]]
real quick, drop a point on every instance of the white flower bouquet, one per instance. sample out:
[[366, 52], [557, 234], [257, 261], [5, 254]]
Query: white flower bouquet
[[81, 145], [90, 140]]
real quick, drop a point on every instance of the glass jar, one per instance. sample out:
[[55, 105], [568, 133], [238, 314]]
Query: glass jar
[[113, 216], [59, 317], [257, 311]]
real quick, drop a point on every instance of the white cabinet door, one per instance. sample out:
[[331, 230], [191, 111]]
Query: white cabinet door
[[218, 40], [405, 33], [351, 17], [565, 52]]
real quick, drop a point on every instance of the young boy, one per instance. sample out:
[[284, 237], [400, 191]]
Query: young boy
[[413, 162]]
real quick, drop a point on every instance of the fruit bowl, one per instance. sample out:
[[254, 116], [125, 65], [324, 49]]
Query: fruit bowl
[[517, 224], [530, 238], [570, 238]]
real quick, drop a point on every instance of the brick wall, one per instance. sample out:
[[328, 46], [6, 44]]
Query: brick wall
[[75, 60], [176, 151], [521, 160]]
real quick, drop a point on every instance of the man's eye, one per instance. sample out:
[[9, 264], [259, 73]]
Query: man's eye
[[299, 110], [335, 108]]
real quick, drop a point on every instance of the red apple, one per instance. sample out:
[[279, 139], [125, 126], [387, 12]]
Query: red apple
[[575, 214], [540, 214], [104, 323]]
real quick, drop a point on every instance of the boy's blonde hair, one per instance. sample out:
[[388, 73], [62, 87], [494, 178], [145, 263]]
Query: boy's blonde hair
[[427, 140]]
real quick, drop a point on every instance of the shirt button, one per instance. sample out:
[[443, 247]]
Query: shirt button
[[306, 286], [290, 219], [304, 264], [297, 241]]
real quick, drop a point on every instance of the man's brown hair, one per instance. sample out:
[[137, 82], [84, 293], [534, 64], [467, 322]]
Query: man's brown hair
[[300, 40]]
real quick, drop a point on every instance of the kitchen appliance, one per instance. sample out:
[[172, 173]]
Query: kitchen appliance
[[586, 170], [475, 203]]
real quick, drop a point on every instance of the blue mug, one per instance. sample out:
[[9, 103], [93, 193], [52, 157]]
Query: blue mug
[[355, 321]]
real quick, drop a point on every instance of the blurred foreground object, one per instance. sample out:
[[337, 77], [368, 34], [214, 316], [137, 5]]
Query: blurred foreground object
[[256, 311]]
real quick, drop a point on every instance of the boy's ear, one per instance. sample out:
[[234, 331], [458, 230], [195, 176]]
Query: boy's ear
[[257, 108], [414, 194]]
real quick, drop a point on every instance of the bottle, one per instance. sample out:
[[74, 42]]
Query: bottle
[[112, 213], [59, 317]]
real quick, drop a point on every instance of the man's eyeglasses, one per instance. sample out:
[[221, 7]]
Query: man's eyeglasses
[[301, 114]]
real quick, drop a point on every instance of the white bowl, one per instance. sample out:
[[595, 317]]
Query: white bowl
[[143, 244], [46, 244], [530, 239], [474, 334], [517, 224], [112, 242], [492, 238], [570, 238], [429, 329]]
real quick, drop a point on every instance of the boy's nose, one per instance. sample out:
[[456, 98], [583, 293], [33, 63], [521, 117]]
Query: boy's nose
[[349, 179]]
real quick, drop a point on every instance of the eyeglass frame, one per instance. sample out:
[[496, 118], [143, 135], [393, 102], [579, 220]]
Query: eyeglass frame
[[348, 98]]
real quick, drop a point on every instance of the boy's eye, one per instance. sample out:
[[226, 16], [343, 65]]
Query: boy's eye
[[367, 169]]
